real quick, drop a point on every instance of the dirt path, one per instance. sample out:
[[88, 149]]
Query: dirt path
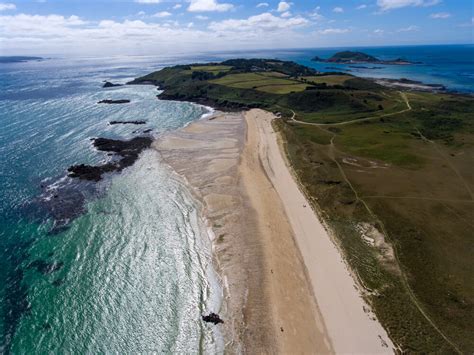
[[357, 120]]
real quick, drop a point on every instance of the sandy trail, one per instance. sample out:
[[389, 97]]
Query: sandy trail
[[351, 327]]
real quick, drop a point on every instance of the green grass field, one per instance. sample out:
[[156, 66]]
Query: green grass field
[[215, 69], [274, 83], [282, 89], [328, 79]]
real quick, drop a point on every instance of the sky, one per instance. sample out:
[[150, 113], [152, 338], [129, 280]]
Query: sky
[[152, 27]]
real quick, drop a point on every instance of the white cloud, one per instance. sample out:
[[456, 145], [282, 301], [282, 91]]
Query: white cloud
[[283, 6], [162, 14], [148, 1], [265, 22], [331, 31], [411, 28], [386, 5], [286, 14], [361, 7], [263, 4], [316, 15], [7, 6], [379, 31], [177, 6], [202, 18], [141, 13], [208, 5], [440, 15], [338, 9], [191, 24]]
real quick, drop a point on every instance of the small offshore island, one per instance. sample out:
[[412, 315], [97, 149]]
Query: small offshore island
[[349, 57], [386, 171]]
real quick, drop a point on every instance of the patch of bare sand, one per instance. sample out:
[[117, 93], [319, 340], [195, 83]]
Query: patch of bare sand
[[350, 324], [269, 307]]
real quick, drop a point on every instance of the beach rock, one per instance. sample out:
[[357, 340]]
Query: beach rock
[[127, 122], [89, 172], [122, 101], [212, 318], [58, 282], [45, 267], [128, 151], [108, 84]]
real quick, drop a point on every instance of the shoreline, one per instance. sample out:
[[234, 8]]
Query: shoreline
[[236, 168], [218, 157]]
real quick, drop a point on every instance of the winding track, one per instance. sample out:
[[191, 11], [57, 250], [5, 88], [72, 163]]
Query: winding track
[[357, 120]]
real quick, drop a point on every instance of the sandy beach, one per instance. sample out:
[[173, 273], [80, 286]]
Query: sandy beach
[[287, 288]]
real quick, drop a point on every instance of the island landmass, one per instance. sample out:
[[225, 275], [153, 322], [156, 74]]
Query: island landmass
[[350, 57]]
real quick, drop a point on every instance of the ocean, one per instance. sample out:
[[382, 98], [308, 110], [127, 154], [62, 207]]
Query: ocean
[[125, 265], [131, 272]]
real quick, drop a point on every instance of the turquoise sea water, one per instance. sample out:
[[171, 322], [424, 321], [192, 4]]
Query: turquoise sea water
[[131, 271], [130, 274]]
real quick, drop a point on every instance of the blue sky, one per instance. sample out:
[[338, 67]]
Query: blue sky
[[149, 27]]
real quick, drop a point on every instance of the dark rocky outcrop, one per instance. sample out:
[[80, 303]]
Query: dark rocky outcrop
[[128, 151], [122, 101], [108, 84], [45, 267], [126, 122], [212, 318], [221, 105]]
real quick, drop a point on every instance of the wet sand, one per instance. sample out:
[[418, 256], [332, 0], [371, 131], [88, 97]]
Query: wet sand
[[269, 306], [287, 287]]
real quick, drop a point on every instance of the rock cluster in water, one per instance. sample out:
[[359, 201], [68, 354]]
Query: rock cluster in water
[[107, 101], [108, 84], [45, 267], [128, 151], [126, 122]]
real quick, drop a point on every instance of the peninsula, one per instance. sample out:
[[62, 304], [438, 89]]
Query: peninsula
[[349, 57], [372, 175]]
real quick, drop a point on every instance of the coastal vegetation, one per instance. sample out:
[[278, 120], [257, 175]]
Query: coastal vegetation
[[389, 171]]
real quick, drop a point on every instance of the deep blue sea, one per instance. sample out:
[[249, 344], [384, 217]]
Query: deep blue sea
[[132, 272]]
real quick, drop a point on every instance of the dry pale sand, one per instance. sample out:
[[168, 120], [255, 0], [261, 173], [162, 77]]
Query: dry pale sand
[[269, 306], [351, 327]]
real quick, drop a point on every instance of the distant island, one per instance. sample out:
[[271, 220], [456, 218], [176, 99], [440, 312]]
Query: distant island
[[349, 57], [18, 59]]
